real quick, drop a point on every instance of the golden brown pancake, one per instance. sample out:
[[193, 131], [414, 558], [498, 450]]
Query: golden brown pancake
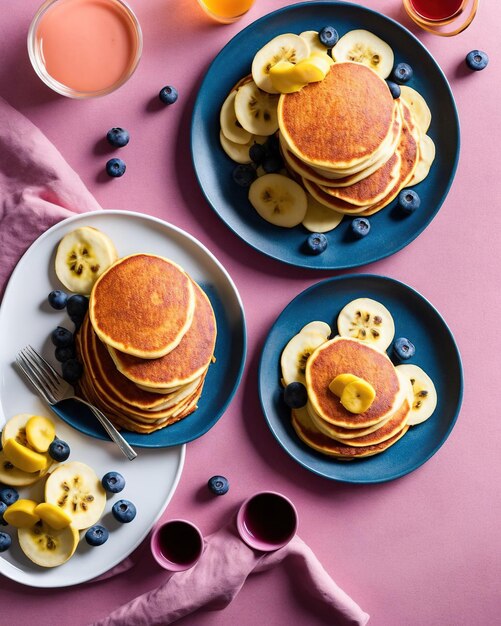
[[339, 122], [343, 355], [142, 305]]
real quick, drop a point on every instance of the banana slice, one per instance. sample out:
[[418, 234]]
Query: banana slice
[[256, 110], [24, 458], [239, 152], [358, 396], [426, 157], [298, 349], [82, 256], [338, 384], [15, 428], [367, 320], [22, 513], [311, 38], [14, 477], [362, 46], [40, 432], [319, 218], [46, 546], [52, 515], [420, 110], [287, 77], [77, 490], [286, 47], [424, 394], [230, 126], [279, 200]]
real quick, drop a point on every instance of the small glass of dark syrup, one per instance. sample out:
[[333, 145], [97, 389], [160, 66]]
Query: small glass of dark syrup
[[177, 545]]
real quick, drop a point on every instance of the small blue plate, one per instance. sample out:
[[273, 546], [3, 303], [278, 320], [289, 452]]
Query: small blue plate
[[436, 352], [389, 232]]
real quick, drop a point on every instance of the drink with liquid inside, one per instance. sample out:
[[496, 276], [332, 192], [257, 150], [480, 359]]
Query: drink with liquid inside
[[435, 11], [226, 11]]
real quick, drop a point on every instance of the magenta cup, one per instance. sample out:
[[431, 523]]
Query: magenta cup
[[267, 521], [176, 545]]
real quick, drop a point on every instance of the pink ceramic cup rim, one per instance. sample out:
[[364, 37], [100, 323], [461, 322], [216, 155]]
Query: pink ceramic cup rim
[[253, 542], [162, 560]]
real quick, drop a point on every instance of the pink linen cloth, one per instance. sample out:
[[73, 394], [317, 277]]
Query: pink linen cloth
[[220, 574], [37, 187]]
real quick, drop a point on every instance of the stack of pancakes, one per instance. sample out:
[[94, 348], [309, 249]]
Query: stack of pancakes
[[325, 425], [348, 142], [146, 343]]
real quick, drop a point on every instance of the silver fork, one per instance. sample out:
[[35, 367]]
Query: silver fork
[[54, 389]]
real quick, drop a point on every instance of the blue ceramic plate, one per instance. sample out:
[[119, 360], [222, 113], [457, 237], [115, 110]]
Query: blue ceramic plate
[[436, 353], [25, 307], [389, 232]]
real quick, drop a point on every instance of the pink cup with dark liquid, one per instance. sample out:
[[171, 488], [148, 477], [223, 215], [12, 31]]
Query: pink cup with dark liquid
[[267, 521], [177, 545]]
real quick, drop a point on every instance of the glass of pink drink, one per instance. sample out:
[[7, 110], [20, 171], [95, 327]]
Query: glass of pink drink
[[442, 17]]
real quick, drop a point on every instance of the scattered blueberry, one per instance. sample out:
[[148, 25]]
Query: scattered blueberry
[[59, 450], [295, 395], [272, 145], [113, 482], [168, 95], [408, 201], [316, 243], [244, 174], [403, 348], [77, 306], [61, 337], [118, 137], [124, 511], [64, 354], [257, 152], [360, 227], [328, 36], [115, 168], [272, 163], [394, 89], [5, 542], [9, 495], [3, 508], [57, 299], [72, 370], [402, 73], [477, 60], [96, 535], [218, 485]]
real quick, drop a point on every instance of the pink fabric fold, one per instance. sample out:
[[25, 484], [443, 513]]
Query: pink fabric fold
[[37, 187], [220, 574]]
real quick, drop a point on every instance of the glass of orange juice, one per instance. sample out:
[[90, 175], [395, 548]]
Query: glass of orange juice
[[226, 11]]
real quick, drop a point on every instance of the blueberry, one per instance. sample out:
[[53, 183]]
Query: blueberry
[[168, 95], [394, 89], [295, 395], [477, 60], [77, 306], [360, 227], [328, 36], [403, 348], [257, 152], [272, 163], [124, 511], [57, 299], [118, 137], [402, 73], [316, 243], [97, 535], [64, 354], [408, 201], [115, 168], [272, 145], [9, 495], [5, 542], [59, 450], [72, 370], [3, 508], [62, 337], [218, 485], [244, 174], [113, 482]]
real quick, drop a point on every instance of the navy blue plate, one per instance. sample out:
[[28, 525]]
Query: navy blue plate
[[389, 232], [436, 353]]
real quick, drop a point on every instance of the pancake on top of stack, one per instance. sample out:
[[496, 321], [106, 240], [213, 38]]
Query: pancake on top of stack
[[146, 343]]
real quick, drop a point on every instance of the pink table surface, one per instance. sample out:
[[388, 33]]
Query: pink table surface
[[424, 549]]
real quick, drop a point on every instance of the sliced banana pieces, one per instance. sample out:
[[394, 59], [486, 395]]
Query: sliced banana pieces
[[298, 350], [362, 46], [423, 399], [230, 126], [16, 428], [256, 110], [239, 152], [286, 47], [82, 256], [319, 218], [47, 546], [367, 320], [426, 157], [311, 38], [15, 477], [279, 200], [421, 113], [76, 489]]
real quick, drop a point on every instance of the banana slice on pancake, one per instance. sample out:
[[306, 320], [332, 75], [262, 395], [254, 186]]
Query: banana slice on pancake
[[362, 46], [230, 126], [47, 546], [286, 47], [420, 110], [319, 218], [367, 320], [82, 256], [298, 349], [423, 399], [256, 110], [279, 200]]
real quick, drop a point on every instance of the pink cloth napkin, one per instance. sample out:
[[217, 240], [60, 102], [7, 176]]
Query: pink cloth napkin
[[37, 187], [220, 574]]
